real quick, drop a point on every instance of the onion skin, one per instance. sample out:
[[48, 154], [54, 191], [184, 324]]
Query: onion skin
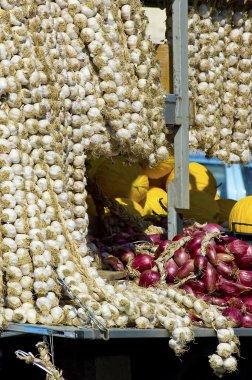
[[211, 254], [200, 263], [186, 269], [143, 262], [171, 270], [212, 227], [155, 238], [196, 252], [220, 248], [225, 257], [188, 289], [230, 288], [247, 300], [244, 261], [161, 247], [238, 247], [114, 262], [235, 302], [149, 278], [244, 277], [195, 242], [235, 316], [242, 252], [247, 320], [227, 270], [218, 301], [181, 256], [210, 278], [226, 239], [178, 237], [196, 285], [126, 256]]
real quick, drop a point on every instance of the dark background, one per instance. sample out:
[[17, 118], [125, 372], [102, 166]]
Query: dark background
[[148, 359]]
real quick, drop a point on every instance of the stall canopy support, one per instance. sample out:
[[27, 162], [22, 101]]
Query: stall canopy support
[[177, 110]]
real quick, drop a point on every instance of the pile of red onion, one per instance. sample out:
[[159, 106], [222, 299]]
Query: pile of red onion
[[221, 273]]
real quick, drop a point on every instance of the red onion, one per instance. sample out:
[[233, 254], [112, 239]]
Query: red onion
[[186, 269], [161, 247], [155, 238], [211, 254], [195, 242], [188, 289], [226, 269], [190, 230], [245, 277], [196, 285], [247, 300], [246, 320], [225, 257], [212, 227], [244, 260], [200, 263], [235, 316], [114, 262], [196, 252], [143, 262], [171, 270], [149, 278], [242, 252], [209, 278], [181, 256], [234, 302], [193, 317], [205, 297], [220, 248], [218, 301], [178, 237], [230, 288], [238, 247], [126, 256], [226, 239]]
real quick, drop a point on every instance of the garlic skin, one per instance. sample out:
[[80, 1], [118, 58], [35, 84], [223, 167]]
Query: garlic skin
[[216, 64]]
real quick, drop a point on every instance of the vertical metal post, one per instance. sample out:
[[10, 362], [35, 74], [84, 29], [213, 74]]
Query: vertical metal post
[[178, 190]]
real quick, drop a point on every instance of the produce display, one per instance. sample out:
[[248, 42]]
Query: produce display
[[206, 272], [220, 50], [65, 98]]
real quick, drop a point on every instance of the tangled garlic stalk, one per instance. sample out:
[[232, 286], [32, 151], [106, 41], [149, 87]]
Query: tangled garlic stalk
[[220, 80]]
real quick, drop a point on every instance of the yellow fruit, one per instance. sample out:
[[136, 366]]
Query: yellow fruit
[[225, 207], [139, 188], [241, 213], [203, 208], [200, 178], [118, 179], [131, 206], [161, 170], [155, 198]]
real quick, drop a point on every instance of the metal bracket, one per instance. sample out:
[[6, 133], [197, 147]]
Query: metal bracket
[[103, 329]]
